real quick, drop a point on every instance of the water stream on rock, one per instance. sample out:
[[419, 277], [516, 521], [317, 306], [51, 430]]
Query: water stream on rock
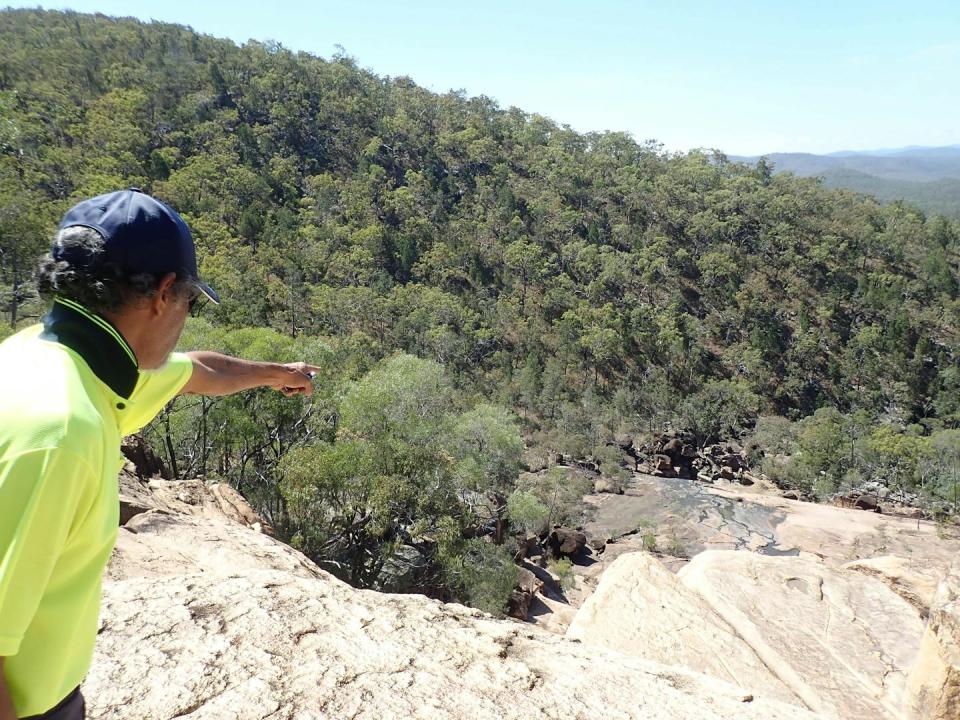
[[684, 513]]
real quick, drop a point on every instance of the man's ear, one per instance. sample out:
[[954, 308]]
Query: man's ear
[[165, 294]]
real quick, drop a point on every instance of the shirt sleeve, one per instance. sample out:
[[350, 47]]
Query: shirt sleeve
[[42, 498], [156, 388]]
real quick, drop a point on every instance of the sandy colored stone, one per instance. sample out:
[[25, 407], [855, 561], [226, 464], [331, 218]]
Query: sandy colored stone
[[186, 497], [158, 543], [207, 619], [841, 535], [915, 583], [934, 682], [270, 644], [640, 608], [842, 641]]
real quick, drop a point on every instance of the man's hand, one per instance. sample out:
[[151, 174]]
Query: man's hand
[[297, 380], [216, 374]]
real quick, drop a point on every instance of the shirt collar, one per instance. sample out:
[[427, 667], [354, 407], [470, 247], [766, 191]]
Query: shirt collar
[[96, 340]]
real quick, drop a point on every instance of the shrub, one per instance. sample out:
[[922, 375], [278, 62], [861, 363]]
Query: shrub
[[562, 569]]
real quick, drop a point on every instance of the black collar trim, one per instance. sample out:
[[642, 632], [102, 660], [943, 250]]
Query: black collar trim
[[95, 340]]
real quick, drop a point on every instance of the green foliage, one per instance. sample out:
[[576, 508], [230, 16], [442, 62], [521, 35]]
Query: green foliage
[[721, 408], [546, 270], [488, 439], [772, 435], [560, 490], [462, 272], [402, 482], [527, 514], [562, 569], [648, 541], [676, 546], [482, 575]]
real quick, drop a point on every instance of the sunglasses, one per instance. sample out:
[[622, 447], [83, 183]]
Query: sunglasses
[[193, 299]]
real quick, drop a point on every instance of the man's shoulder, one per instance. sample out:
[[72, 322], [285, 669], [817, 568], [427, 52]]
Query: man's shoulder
[[42, 402]]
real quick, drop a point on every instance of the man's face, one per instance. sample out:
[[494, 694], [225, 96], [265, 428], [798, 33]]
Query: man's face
[[166, 325]]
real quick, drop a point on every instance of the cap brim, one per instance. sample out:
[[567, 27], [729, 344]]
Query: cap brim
[[209, 292]]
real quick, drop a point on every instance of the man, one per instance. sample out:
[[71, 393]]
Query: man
[[122, 275]]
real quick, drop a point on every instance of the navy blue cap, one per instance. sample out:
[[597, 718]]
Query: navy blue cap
[[141, 235]]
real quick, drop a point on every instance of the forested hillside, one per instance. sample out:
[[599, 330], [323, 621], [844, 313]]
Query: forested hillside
[[449, 261]]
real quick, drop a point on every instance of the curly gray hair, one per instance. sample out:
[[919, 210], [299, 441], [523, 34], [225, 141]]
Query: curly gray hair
[[98, 284]]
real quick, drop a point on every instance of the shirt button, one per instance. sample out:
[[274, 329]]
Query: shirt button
[[121, 406]]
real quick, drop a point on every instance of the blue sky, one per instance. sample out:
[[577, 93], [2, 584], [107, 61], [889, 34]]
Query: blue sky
[[744, 76]]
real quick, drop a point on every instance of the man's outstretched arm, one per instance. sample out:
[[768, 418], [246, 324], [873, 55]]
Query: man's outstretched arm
[[216, 374]]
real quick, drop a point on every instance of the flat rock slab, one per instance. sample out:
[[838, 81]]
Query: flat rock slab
[[158, 543], [842, 641], [269, 644], [640, 608], [915, 583]]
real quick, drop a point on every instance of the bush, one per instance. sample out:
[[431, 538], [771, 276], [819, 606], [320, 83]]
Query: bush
[[562, 569], [560, 490], [648, 541], [772, 435], [526, 512], [790, 475], [721, 408], [480, 574]]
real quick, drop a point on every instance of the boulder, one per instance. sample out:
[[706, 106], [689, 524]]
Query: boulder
[[663, 463], [841, 641], [861, 501], [528, 582], [934, 683], [527, 546], [731, 460], [726, 473], [640, 608], [604, 484], [518, 604], [523, 594], [673, 448], [668, 473], [145, 461], [564, 542]]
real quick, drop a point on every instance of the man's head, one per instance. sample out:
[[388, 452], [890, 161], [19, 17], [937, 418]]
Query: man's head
[[131, 259]]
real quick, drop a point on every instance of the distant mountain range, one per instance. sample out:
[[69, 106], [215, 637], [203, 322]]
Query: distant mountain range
[[928, 177]]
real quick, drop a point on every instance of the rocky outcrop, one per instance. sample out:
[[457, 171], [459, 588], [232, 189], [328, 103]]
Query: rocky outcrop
[[159, 544], [640, 608], [207, 619], [185, 497], [934, 683], [524, 593], [265, 643], [842, 641], [673, 456]]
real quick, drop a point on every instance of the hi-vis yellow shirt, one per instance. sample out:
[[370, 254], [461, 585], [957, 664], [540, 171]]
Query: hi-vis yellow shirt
[[70, 390]]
